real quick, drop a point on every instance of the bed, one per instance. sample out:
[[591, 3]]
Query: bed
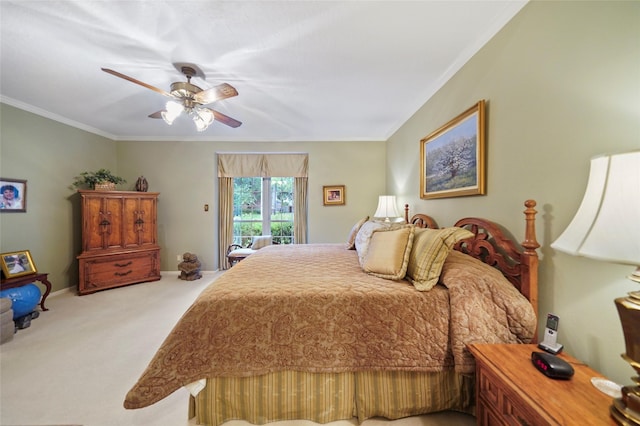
[[323, 332]]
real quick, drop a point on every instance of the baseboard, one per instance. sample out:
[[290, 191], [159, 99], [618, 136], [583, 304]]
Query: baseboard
[[176, 273], [162, 273], [63, 291]]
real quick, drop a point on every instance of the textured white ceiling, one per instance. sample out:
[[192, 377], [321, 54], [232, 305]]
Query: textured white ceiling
[[304, 70]]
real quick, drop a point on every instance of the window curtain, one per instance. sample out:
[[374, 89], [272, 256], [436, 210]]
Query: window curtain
[[225, 219], [263, 165], [300, 211], [232, 165]]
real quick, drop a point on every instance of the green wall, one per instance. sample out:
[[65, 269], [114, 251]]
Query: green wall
[[562, 84], [49, 155], [185, 174]]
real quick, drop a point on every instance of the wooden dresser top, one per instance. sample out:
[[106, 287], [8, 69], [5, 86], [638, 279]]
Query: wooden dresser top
[[574, 401]]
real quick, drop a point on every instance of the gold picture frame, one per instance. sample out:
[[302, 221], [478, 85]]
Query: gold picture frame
[[17, 263], [452, 159], [333, 195]]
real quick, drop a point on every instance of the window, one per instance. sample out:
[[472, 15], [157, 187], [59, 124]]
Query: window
[[278, 207], [263, 206]]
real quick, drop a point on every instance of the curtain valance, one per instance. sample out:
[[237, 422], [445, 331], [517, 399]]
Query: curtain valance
[[262, 164]]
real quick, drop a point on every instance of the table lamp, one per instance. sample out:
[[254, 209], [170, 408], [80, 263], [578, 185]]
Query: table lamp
[[387, 208], [607, 227]]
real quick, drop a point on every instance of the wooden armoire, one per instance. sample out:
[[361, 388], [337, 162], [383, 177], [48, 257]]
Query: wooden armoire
[[119, 239]]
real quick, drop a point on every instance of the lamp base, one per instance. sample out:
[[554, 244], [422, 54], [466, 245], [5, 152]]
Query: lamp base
[[626, 410]]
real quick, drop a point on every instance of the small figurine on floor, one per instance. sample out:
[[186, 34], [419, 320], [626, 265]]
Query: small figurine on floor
[[189, 267]]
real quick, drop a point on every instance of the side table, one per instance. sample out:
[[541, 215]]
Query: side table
[[26, 279], [510, 390]]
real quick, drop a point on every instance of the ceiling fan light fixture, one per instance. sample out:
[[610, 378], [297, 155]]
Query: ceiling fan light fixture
[[203, 117], [173, 110], [189, 98]]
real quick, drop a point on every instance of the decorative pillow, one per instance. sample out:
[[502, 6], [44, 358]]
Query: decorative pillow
[[260, 241], [364, 235], [388, 253], [351, 241], [430, 249]]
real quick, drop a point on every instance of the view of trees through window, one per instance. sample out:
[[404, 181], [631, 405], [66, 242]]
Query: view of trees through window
[[263, 206]]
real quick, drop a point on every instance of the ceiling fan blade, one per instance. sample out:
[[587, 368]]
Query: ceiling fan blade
[[157, 114], [221, 91], [225, 119], [133, 80]]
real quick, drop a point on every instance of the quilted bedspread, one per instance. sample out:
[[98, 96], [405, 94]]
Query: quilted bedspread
[[311, 308]]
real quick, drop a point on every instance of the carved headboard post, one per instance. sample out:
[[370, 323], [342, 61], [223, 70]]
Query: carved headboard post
[[530, 256], [406, 213]]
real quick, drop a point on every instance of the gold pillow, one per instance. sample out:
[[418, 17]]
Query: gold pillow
[[363, 237], [388, 253], [351, 241], [430, 249]]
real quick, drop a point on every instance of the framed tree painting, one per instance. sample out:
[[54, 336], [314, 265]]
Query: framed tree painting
[[452, 159]]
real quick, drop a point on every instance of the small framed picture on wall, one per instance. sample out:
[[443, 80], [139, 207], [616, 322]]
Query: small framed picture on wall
[[13, 195], [333, 195]]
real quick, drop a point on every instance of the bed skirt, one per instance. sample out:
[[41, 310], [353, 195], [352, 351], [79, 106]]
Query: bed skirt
[[327, 397]]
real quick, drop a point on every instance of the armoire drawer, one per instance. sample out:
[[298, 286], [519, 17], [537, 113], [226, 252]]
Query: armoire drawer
[[102, 272]]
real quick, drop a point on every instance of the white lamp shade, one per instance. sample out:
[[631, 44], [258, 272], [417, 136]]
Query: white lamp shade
[[387, 207], [607, 224], [173, 110], [203, 117]]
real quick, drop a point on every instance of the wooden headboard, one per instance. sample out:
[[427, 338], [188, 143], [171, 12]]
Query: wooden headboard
[[518, 263]]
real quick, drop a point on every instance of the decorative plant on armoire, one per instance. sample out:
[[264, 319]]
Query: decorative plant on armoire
[[101, 180]]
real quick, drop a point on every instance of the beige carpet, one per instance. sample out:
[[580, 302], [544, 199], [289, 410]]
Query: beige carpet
[[77, 361]]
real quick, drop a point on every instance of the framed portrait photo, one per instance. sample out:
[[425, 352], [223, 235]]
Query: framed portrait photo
[[13, 195], [452, 159], [333, 195], [17, 263]]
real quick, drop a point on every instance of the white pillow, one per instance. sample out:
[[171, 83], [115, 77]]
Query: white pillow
[[260, 241]]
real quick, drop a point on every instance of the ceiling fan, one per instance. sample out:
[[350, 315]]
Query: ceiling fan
[[190, 99]]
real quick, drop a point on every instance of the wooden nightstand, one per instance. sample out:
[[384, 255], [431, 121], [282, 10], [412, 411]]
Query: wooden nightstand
[[511, 391]]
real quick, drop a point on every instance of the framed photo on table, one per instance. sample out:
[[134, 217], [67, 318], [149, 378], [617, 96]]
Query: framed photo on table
[[13, 195], [452, 159], [17, 264], [333, 195]]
